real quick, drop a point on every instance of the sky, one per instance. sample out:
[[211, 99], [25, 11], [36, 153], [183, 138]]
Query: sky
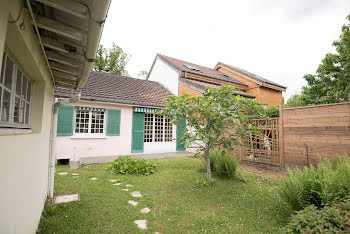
[[280, 40]]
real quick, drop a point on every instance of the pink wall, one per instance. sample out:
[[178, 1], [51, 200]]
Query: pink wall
[[70, 147]]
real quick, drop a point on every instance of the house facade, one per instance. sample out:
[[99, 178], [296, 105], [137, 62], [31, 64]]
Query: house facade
[[34, 38], [115, 116], [182, 77]]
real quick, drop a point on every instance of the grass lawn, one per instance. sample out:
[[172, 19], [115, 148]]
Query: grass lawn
[[177, 205]]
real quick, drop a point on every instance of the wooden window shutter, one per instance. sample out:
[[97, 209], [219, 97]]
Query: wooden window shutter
[[180, 128], [113, 122], [65, 120], [138, 132]]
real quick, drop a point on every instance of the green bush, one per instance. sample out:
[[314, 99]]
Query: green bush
[[224, 164], [317, 187], [333, 218], [129, 165], [273, 111]]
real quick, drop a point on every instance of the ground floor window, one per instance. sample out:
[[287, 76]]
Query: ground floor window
[[89, 121], [157, 128]]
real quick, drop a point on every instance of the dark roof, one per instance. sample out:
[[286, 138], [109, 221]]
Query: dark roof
[[204, 71], [107, 87], [201, 86], [249, 74]]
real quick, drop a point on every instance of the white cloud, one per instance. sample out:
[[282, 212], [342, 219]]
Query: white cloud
[[280, 40]]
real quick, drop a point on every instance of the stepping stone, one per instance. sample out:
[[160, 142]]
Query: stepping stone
[[117, 184], [75, 177], [66, 198], [93, 178], [75, 174], [133, 203], [136, 194], [129, 185], [112, 180], [142, 224], [158, 233], [145, 210], [63, 173], [125, 189]]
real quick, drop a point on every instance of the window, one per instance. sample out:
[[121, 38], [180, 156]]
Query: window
[[89, 121], [15, 95], [192, 68], [157, 128]]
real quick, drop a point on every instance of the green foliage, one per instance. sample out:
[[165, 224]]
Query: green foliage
[[273, 111], [331, 84], [142, 74], [114, 60], [129, 165], [223, 164], [215, 118], [333, 218], [200, 183], [294, 101], [317, 187]]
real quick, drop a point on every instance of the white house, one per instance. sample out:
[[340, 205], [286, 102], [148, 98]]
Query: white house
[[43, 44], [115, 116]]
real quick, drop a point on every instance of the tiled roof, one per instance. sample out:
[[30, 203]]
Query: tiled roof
[[249, 74], [107, 87], [204, 71], [201, 86]]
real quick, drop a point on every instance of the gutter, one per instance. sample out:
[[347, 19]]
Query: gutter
[[58, 102], [98, 13]]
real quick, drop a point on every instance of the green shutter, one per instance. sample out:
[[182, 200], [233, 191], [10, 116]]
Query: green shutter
[[138, 132], [113, 122], [65, 120], [181, 126]]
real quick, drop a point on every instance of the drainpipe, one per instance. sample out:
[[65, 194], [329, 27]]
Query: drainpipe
[[58, 102]]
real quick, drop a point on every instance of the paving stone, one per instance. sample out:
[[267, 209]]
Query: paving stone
[[145, 210], [75, 177], [158, 233], [111, 180], [142, 224], [129, 185], [117, 184], [93, 178], [125, 189], [133, 203], [136, 194], [63, 173], [75, 174], [66, 198]]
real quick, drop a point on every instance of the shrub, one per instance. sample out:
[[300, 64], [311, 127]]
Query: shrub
[[317, 187], [333, 218], [129, 165], [224, 164]]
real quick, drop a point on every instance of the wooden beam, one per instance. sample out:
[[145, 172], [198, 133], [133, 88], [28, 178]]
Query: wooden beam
[[59, 28], [64, 75], [63, 68], [64, 85], [62, 59], [53, 44], [68, 6]]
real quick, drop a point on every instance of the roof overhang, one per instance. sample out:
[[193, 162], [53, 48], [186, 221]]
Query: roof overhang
[[69, 34]]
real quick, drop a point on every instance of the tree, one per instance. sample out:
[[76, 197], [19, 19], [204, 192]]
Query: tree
[[113, 60], [142, 74], [215, 118], [295, 101], [331, 84]]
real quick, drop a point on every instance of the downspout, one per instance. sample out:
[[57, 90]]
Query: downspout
[[58, 102]]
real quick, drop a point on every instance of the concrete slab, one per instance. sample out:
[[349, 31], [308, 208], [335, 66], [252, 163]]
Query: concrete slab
[[117, 184], [142, 224], [145, 210], [66, 198], [111, 180], [133, 203], [63, 173], [125, 189], [93, 178], [129, 185], [75, 174], [136, 194]]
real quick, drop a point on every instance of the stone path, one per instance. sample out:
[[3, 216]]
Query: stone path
[[117, 184], [145, 210], [93, 178], [63, 173], [142, 224], [136, 194], [125, 189], [133, 203]]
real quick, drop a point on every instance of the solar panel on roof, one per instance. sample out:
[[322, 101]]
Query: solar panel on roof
[[192, 68]]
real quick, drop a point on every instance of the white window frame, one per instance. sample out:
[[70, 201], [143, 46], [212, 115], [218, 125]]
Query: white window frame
[[89, 134], [16, 67], [163, 132]]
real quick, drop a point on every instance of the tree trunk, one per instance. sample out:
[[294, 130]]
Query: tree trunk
[[207, 159]]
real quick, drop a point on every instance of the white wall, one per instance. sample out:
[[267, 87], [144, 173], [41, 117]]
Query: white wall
[[165, 75], [24, 158], [71, 147]]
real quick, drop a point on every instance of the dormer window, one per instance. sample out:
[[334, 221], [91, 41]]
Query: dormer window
[[192, 68], [224, 75]]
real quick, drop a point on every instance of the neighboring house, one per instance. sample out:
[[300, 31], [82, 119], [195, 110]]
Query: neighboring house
[[265, 90], [41, 46], [116, 115], [182, 77]]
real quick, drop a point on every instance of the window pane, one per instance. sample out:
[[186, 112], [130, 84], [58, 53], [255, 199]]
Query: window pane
[[29, 90], [19, 82], [8, 73], [158, 128], [168, 134], [97, 121], [5, 114], [27, 113], [21, 112], [24, 87], [148, 128], [16, 111], [82, 121], [2, 67]]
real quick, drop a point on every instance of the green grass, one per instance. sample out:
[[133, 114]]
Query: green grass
[[177, 205]]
